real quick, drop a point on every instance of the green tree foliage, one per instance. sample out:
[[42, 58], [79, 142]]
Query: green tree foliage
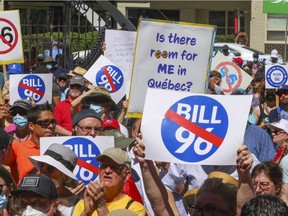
[[225, 38]]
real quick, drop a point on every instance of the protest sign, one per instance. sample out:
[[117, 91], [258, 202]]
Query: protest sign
[[194, 128], [31, 86], [233, 76], [275, 76], [106, 74], [120, 49], [86, 148], [11, 50], [169, 55]]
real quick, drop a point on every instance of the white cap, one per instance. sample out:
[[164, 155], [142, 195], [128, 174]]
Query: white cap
[[282, 125], [274, 53]]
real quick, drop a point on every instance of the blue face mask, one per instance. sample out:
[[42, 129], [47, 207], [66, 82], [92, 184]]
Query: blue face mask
[[49, 66], [3, 201], [20, 121], [96, 108]]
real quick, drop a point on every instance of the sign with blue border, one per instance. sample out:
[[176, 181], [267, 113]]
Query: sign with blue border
[[194, 128], [86, 148], [37, 87], [275, 76]]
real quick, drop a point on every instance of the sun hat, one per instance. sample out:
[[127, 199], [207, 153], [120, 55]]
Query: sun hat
[[189, 198], [77, 80], [119, 138], [99, 96], [48, 59], [117, 155], [77, 71], [282, 125], [85, 113], [59, 156], [39, 184], [226, 178]]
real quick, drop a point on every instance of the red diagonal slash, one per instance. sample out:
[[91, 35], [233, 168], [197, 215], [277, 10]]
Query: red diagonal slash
[[5, 41], [194, 128], [109, 79], [87, 166], [31, 89]]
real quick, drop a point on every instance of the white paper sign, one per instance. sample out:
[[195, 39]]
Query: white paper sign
[[11, 49], [169, 55], [194, 128], [276, 76], [35, 86], [120, 49], [105, 73], [86, 148], [233, 76]]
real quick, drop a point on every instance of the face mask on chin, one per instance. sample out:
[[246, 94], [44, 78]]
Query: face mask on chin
[[29, 211], [3, 201]]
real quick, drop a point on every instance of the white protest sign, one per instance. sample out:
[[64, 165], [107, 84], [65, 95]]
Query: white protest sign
[[233, 76], [11, 49], [169, 55], [105, 73], [275, 76], [86, 148], [120, 49], [36, 86], [194, 128]]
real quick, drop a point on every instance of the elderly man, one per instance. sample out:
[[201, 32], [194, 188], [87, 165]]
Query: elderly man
[[37, 196], [107, 195], [87, 123], [280, 112]]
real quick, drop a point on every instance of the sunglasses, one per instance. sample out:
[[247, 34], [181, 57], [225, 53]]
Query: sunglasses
[[45, 123], [21, 112], [276, 132]]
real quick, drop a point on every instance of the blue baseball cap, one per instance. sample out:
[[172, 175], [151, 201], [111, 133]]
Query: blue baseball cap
[[14, 68]]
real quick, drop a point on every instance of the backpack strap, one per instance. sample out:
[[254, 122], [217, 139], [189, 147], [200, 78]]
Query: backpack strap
[[129, 203]]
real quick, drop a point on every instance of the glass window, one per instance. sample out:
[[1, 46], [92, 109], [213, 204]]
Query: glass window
[[276, 25]]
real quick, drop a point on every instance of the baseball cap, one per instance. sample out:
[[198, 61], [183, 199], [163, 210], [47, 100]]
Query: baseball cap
[[282, 125], [281, 90], [119, 138], [63, 75], [85, 113], [274, 53], [110, 123], [77, 80], [39, 184], [19, 105], [14, 68], [117, 155]]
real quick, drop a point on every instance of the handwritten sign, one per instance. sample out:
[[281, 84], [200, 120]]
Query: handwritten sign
[[233, 76], [86, 148], [169, 55], [120, 49], [106, 74], [31, 86], [194, 128]]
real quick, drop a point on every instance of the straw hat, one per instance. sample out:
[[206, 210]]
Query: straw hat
[[77, 71], [226, 178], [189, 197]]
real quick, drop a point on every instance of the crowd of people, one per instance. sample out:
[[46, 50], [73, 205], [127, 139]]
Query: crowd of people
[[129, 184]]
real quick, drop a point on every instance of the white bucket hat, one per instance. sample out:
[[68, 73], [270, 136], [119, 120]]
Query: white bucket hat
[[282, 125], [60, 157]]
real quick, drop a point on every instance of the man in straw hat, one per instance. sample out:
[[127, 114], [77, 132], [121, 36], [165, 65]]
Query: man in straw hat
[[107, 195], [58, 163]]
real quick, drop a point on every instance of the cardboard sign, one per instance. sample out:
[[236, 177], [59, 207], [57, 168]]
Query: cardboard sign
[[105, 73], [169, 55], [120, 49], [11, 49], [31, 86], [233, 76], [194, 128], [275, 76], [86, 148]]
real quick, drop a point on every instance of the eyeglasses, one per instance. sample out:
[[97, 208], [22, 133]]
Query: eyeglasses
[[77, 86], [205, 210], [45, 123], [88, 129], [276, 132], [62, 79], [114, 168], [263, 185]]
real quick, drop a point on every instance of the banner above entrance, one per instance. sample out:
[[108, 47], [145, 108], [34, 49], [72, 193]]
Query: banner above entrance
[[275, 6]]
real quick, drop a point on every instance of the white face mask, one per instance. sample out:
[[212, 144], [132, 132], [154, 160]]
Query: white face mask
[[29, 211]]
